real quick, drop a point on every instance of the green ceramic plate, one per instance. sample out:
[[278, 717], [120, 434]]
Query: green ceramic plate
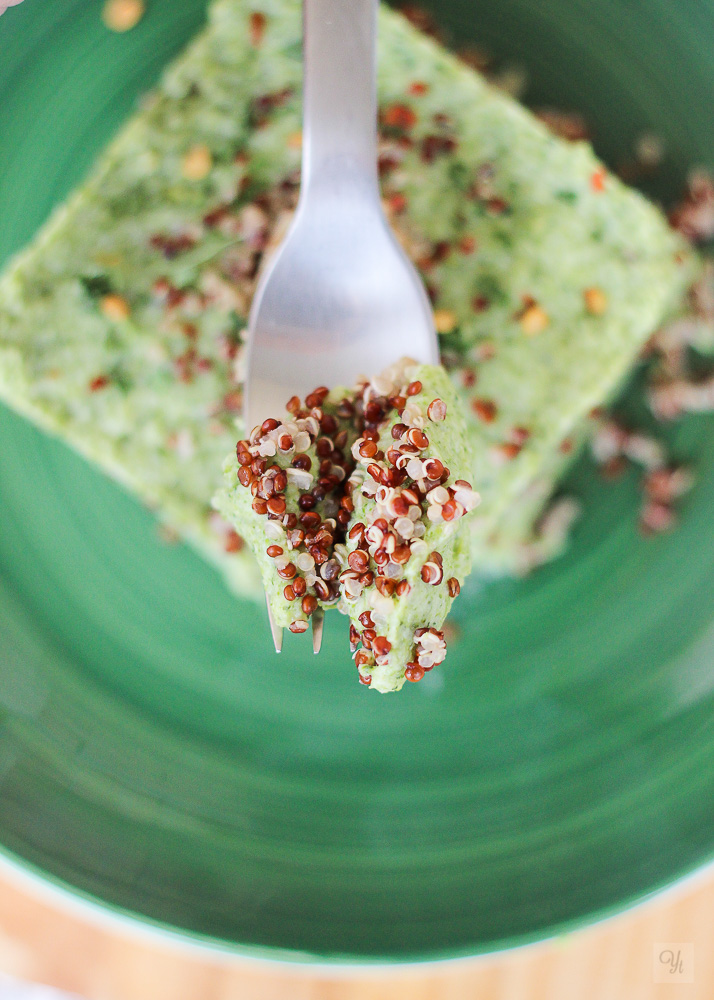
[[156, 757]]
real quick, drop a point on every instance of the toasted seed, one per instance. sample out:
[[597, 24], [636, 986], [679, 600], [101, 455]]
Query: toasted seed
[[595, 301], [289, 593], [534, 319], [444, 320], [414, 672], [122, 15], [299, 627], [197, 163], [287, 572], [414, 388], [454, 586], [274, 551], [115, 307]]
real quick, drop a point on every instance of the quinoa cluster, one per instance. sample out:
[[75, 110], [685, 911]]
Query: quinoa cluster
[[352, 497]]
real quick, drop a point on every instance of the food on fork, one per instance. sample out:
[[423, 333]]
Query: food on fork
[[358, 500]]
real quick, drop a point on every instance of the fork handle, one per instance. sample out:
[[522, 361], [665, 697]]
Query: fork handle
[[340, 97]]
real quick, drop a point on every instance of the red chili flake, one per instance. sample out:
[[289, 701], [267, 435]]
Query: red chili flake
[[509, 450], [172, 246], [497, 206], [264, 105], [215, 216], [100, 382], [399, 116], [396, 203], [418, 88], [485, 409], [479, 303], [433, 146], [614, 467], [175, 297], [597, 180], [233, 542], [233, 401], [519, 435], [257, 23], [657, 518]]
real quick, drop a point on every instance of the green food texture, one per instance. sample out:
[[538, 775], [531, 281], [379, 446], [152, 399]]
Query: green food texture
[[358, 499], [122, 326]]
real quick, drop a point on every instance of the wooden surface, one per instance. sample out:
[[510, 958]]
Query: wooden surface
[[42, 941]]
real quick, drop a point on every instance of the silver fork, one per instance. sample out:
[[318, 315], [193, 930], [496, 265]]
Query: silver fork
[[340, 298]]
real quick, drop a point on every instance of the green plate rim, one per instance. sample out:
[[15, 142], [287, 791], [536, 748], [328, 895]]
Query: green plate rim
[[25, 875]]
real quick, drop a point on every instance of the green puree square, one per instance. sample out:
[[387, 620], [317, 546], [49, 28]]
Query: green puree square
[[121, 326]]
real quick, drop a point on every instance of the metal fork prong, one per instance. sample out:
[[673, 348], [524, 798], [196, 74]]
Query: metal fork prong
[[318, 620], [276, 632]]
